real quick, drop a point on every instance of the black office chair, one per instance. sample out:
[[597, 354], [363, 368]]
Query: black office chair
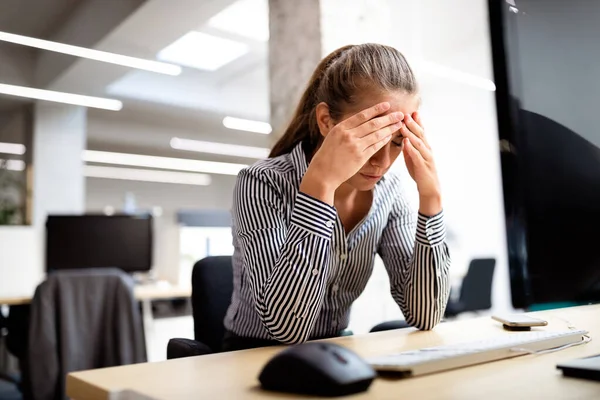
[[476, 288], [212, 286], [9, 384]]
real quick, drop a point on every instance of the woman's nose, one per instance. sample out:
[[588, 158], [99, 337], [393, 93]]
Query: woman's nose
[[382, 158]]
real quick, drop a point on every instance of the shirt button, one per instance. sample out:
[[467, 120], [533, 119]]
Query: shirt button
[[344, 257], [429, 232], [315, 272], [334, 322], [335, 288], [329, 224]]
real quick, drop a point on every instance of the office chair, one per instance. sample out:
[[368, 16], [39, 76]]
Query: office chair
[[80, 319], [212, 286], [9, 384], [476, 288]]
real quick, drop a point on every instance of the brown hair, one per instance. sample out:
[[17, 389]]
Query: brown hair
[[336, 81]]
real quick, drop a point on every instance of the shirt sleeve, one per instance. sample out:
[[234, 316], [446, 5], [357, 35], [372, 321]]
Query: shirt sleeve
[[285, 262], [415, 254]]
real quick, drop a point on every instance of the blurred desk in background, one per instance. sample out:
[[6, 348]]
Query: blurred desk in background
[[148, 291]]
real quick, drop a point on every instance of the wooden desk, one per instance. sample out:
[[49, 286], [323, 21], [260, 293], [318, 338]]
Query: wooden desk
[[234, 375], [15, 300], [151, 291]]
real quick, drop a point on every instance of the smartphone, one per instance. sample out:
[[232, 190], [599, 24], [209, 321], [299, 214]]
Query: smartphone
[[519, 320]]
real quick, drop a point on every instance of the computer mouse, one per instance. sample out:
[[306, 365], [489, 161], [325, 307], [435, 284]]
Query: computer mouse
[[317, 368]]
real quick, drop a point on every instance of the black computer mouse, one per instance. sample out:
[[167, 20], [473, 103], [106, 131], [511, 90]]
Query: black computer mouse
[[317, 368]]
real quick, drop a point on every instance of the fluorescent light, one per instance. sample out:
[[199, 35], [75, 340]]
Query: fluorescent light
[[247, 18], [455, 75], [202, 51], [61, 97], [180, 164], [146, 175], [219, 148], [14, 165], [247, 125], [12, 148], [112, 58]]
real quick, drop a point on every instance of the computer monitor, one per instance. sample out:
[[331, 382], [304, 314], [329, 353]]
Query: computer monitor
[[546, 57], [99, 241]]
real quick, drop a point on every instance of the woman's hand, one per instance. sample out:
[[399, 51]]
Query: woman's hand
[[347, 147], [421, 166]]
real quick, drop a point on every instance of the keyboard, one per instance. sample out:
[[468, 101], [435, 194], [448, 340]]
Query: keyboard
[[434, 359]]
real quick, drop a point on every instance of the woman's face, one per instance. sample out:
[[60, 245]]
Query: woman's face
[[380, 163]]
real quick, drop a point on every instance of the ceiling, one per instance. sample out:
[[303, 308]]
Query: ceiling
[[448, 34], [36, 18]]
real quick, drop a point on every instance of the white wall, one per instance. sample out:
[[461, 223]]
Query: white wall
[[460, 121], [21, 260]]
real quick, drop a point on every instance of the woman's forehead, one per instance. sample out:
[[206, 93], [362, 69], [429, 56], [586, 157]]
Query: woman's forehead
[[399, 101]]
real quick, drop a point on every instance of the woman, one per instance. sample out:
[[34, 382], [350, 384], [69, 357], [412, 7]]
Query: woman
[[308, 221]]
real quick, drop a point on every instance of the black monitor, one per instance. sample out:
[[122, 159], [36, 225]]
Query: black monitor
[[546, 57], [99, 241]]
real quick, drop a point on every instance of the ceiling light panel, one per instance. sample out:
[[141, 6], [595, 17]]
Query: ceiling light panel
[[83, 52], [12, 148], [169, 163], [146, 175], [202, 51], [61, 97], [247, 125], [219, 148], [247, 18]]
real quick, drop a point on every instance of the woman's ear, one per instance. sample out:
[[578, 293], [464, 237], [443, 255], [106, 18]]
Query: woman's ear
[[324, 120]]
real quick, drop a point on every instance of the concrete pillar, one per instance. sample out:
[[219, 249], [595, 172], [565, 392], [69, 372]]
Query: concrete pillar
[[59, 138], [294, 52], [303, 32]]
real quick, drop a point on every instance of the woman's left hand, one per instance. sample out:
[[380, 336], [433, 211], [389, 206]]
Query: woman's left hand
[[421, 166]]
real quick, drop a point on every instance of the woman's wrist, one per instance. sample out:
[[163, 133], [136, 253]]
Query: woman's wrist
[[316, 185], [430, 205]]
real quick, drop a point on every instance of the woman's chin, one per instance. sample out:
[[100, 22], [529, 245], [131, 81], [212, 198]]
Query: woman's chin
[[363, 182]]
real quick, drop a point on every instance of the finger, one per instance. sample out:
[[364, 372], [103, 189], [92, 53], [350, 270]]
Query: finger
[[416, 128], [380, 134], [374, 148], [365, 115], [412, 152], [417, 117], [375, 124], [417, 143]]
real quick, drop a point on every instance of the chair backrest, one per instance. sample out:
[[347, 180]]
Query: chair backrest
[[212, 286], [476, 288]]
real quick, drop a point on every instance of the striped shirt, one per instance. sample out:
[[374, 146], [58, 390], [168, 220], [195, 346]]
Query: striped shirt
[[296, 271]]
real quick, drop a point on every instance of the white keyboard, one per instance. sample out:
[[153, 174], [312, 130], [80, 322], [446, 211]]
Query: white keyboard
[[441, 358]]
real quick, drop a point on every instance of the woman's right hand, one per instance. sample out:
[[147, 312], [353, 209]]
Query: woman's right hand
[[347, 147]]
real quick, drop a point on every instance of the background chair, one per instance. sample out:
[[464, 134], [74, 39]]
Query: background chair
[[9, 383], [80, 319], [212, 286], [476, 288]]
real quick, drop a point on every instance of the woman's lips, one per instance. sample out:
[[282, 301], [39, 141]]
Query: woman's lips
[[371, 177]]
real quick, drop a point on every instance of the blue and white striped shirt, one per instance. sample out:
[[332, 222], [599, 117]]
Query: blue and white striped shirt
[[297, 273]]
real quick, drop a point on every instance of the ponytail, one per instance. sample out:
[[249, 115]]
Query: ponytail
[[303, 127]]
